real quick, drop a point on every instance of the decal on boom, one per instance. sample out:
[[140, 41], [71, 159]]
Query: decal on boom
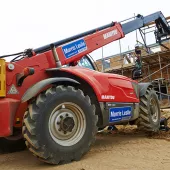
[[74, 48]]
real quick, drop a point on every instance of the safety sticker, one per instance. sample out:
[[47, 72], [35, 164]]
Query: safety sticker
[[13, 90], [74, 48], [120, 113]]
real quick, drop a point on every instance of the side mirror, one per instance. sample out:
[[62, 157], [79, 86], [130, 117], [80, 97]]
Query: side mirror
[[136, 74]]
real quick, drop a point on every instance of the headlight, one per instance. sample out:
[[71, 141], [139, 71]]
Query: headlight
[[136, 89]]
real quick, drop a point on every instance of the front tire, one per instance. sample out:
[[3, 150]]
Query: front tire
[[60, 125], [149, 112]]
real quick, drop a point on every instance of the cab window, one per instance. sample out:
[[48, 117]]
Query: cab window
[[85, 62]]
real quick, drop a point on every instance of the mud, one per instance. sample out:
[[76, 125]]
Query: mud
[[127, 149]]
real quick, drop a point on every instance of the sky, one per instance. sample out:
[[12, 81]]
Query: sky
[[34, 23]]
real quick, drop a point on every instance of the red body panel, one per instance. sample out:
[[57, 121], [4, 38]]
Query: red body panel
[[106, 85], [40, 63], [8, 109]]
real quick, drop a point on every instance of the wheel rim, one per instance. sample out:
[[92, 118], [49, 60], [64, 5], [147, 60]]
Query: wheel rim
[[67, 124], [154, 110]]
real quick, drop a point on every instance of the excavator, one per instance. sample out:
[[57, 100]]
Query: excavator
[[53, 105]]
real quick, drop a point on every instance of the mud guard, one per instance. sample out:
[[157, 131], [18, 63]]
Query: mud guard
[[32, 91], [143, 87]]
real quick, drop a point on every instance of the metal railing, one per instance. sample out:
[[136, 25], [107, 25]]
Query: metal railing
[[154, 72], [164, 99]]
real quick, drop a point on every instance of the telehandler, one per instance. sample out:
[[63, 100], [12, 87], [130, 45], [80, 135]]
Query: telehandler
[[56, 106]]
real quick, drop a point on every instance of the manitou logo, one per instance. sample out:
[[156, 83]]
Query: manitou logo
[[110, 34], [108, 97]]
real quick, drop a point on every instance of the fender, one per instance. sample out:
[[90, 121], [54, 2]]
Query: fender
[[107, 87], [32, 91], [85, 74], [143, 87]]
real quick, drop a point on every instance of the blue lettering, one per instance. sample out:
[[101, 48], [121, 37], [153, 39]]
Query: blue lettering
[[120, 113], [74, 48]]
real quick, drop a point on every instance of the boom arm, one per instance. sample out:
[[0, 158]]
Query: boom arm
[[61, 42], [163, 29], [74, 48]]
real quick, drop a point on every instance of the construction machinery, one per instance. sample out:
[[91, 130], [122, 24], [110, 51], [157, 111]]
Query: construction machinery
[[56, 106]]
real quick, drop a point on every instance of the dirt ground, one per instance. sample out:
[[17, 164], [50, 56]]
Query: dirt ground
[[127, 149]]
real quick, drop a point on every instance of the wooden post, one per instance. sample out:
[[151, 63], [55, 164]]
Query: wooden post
[[160, 64], [150, 78]]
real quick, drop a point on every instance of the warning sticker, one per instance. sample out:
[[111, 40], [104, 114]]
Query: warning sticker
[[13, 90]]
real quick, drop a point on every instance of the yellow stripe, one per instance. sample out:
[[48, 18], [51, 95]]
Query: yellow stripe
[[2, 78]]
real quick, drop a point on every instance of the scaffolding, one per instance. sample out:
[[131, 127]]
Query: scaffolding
[[157, 71], [150, 61]]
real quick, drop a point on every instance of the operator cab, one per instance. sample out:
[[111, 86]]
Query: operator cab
[[86, 62]]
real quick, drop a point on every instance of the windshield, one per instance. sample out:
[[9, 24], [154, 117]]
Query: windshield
[[85, 62]]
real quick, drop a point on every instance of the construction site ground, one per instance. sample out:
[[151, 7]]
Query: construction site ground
[[127, 149]]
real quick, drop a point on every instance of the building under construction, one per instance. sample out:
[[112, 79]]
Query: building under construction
[[155, 64]]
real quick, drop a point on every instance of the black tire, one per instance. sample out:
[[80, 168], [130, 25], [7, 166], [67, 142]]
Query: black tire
[[9, 146], [149, 112], [37, 129]]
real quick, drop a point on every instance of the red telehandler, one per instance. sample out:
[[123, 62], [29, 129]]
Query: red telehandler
[[56, 106]]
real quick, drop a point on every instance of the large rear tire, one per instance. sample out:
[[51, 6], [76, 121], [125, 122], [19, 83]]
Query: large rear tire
[[149, 112], [60, 125]]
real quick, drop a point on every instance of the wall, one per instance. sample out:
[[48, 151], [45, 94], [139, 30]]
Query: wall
[[114, 62]]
